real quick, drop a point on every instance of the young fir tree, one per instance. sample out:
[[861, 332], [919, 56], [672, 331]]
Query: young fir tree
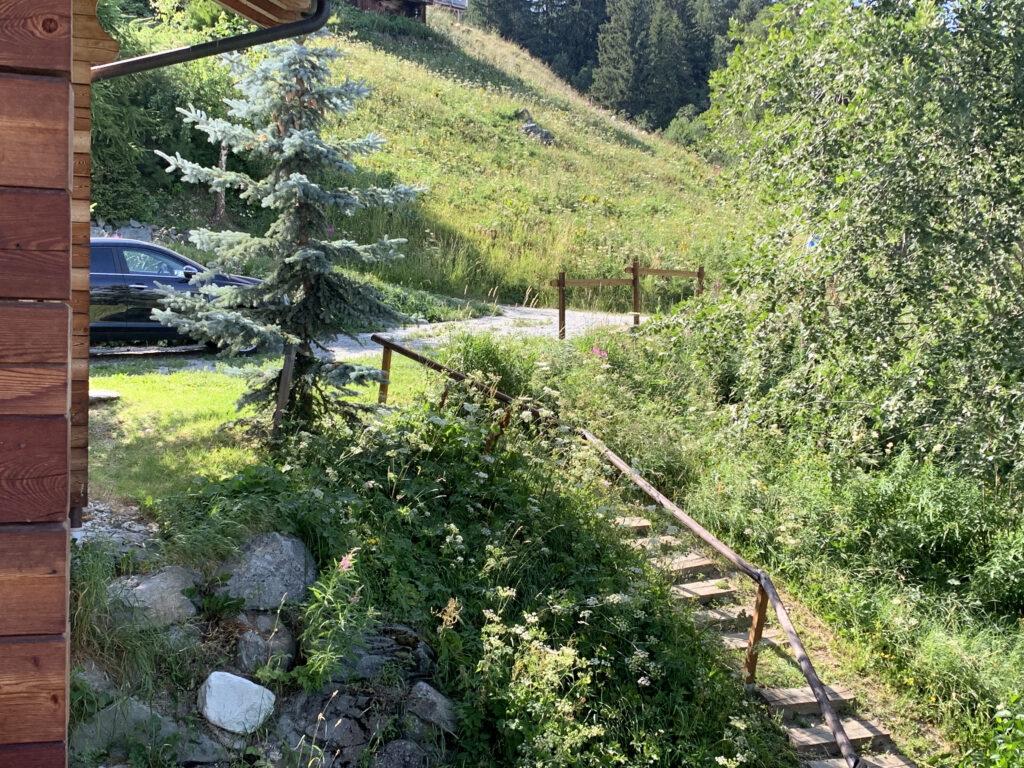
[[302, 299]]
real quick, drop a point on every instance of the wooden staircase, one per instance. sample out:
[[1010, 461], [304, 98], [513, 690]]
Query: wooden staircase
[[714, 591]]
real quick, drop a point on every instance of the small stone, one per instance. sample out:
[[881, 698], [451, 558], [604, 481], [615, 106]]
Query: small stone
[[97, 396], [433, 707], [268, 639], [270, 569], [400, 753], [153, 600], [234, 703]]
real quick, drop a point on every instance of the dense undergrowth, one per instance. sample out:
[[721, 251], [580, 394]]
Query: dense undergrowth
[[916, 565], [559, 645]]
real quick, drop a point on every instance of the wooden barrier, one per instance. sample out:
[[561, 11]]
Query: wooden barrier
[[635, 271]]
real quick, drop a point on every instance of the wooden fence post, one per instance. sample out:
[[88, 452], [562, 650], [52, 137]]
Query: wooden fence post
[[700, 279], [636, 292], [385, 365], [561, 305], [756, 629]]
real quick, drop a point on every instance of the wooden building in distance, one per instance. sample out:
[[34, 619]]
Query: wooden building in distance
[[413, 9]]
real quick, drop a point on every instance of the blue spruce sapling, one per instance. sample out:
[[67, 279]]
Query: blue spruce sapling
[[303, 299]]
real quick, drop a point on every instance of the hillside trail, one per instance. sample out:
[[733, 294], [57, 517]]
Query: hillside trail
[[720, 597], [516, 321]]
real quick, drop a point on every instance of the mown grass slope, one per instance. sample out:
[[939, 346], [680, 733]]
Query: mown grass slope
[[504, 212]]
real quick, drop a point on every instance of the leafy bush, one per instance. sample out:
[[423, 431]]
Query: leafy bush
[[557, 643], [1003, 746]]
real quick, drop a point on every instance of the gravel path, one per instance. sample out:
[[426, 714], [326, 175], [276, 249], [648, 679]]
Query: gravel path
[[513, 321]]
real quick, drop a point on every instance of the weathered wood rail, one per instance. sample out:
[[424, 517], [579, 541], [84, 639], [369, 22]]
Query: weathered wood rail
[[635, 271], [766, 595]]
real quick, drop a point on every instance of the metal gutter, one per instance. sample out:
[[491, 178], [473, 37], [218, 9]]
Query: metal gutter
[[304, 26]]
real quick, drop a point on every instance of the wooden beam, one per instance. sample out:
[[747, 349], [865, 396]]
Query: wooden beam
[[52, 755], [33, 689], [36, 35], [34, 390], [34, 333], [34, 220], [33, 579], [33, 469], [35, 132], [665, 272]]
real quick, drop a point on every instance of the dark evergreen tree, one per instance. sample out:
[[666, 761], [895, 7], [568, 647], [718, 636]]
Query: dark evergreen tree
[[303, 299], [619, 80], [669, 80]]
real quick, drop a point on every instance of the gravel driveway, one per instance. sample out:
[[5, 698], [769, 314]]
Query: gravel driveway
[[513, 321]]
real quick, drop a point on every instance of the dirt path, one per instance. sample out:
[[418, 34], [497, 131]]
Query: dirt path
[[513, 321]]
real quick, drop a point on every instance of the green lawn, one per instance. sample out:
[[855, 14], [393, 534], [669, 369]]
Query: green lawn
[[169, 425]]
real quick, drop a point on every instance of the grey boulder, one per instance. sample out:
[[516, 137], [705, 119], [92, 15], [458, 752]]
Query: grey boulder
[[432, 707], [271, 569], [113, 728], [153, 600], [266, 639], [400, 753]]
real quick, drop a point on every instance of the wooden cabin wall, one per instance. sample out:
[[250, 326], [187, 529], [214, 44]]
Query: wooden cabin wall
[[44, 293], [35, 366]]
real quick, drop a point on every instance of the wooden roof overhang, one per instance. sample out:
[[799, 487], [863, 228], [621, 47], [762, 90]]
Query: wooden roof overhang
[[269, 13]]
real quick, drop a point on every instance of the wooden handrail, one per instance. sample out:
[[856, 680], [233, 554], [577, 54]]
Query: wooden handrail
[[766, 589]]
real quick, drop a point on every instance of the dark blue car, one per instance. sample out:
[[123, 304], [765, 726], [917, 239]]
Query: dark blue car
[[122, 288]]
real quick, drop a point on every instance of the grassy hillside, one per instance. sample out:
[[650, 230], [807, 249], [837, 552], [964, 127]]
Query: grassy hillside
[[504, 212]]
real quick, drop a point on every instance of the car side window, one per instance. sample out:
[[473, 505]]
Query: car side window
[[145, 262], [102, 261]]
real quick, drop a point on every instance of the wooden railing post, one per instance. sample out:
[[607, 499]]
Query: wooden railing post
[[385, 365], [756, 630], [700, 279], [636, 292], [561, 305]]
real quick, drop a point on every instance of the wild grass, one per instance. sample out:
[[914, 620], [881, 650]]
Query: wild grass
[[896, 561], [504, 213]]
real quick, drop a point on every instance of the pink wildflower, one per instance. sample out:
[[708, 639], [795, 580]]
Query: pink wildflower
[[346, 563], [599, 352]]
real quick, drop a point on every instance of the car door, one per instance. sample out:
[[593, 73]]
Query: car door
[[144, 269], [108, 294]]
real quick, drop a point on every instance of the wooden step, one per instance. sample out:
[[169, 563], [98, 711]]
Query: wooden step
[[870, 761], [818, 740], [801, 701], [634, 524], [736, 641], [655, 543], [684, 566], [707, 591], [725, 617]]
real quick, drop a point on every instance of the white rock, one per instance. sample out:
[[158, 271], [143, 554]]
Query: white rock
[[234, 703]]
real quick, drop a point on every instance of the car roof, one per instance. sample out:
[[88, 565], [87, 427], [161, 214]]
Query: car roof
[[121, 241]]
